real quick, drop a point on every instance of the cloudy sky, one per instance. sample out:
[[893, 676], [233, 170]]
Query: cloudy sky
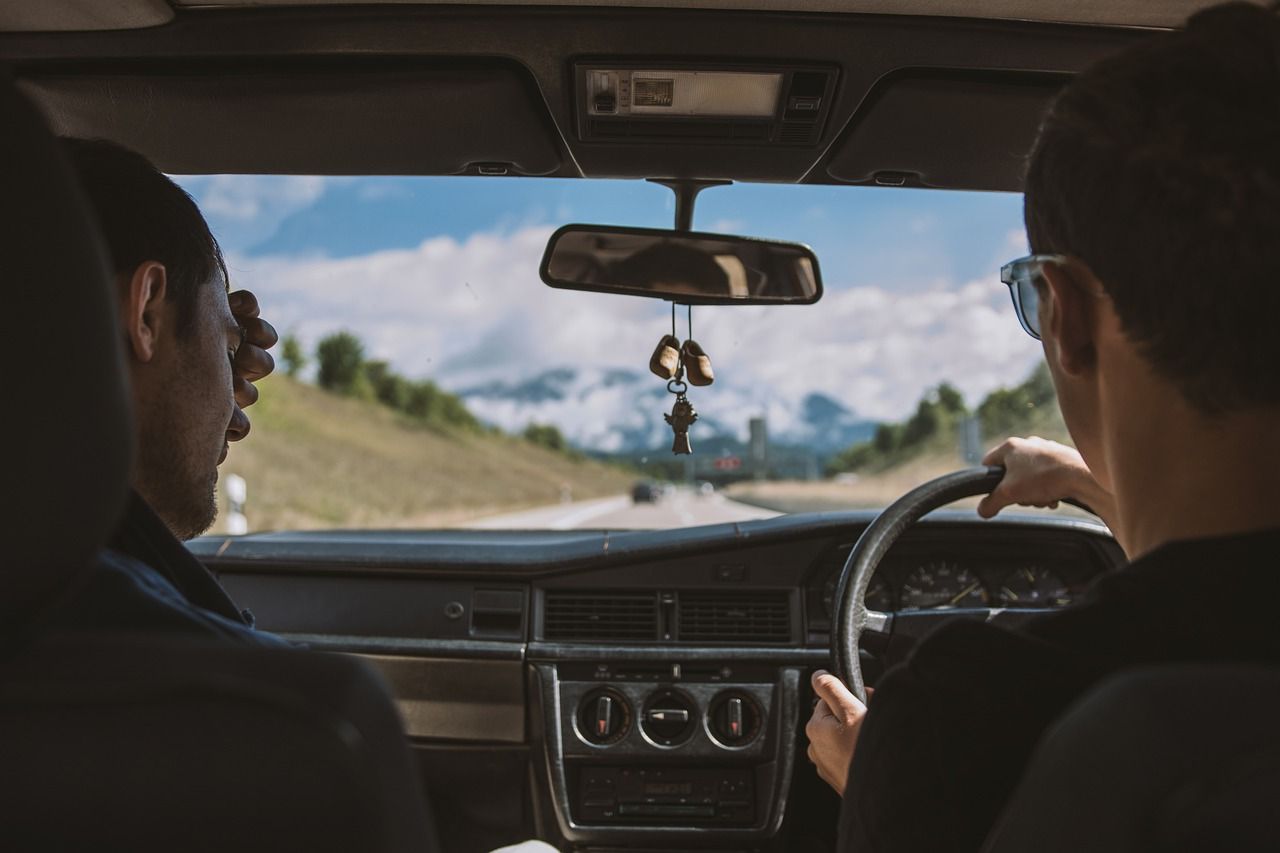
[[439, 276]]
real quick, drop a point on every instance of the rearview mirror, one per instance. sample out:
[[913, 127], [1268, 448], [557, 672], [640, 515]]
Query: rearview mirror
[[681, 266]]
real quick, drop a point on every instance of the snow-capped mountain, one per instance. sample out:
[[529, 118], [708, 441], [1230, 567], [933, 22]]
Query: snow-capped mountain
[[611, 410]]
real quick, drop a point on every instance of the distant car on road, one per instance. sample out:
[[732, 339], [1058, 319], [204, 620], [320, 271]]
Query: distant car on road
[[645, 492], [706, 489]]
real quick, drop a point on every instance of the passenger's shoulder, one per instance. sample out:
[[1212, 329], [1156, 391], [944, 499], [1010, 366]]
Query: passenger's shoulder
[[121, 593]]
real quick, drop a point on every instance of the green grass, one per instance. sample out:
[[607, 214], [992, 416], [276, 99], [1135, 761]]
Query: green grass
[[318, 460], [880, 484]]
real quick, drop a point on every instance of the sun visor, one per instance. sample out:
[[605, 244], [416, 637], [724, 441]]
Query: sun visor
[[487, 118], [953, 131]]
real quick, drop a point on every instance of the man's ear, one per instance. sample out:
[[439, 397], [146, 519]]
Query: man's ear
[[142, 309], [1069, 315]]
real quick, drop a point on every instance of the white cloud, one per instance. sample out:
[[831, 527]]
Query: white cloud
[[468, 312], [245, 209], [248, 197]]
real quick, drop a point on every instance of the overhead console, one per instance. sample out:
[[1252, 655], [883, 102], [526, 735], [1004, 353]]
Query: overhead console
[[782, 105]]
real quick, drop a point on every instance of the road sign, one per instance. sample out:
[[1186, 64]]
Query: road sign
[[728, 463]]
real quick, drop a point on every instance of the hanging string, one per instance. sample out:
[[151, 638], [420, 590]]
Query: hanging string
[[673, 319], [690, 307]]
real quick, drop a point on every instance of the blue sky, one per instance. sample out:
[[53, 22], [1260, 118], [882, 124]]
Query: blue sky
[[439, 275]]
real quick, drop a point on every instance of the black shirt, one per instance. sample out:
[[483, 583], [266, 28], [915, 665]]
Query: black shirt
[[951, 729], [147, 580]]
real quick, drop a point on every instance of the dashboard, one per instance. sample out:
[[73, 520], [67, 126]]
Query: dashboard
[[635, 689]]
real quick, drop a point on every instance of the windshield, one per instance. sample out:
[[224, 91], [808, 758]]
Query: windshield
[[427, 378]]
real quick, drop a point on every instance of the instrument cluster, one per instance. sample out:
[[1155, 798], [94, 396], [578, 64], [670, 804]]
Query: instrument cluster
[[935, 581]]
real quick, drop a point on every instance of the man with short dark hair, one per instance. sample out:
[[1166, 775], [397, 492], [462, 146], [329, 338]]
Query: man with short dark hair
[[1153, 211], [193, 352]]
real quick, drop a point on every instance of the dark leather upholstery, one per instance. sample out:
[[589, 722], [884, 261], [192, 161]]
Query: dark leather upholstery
[[129, 744], [1166, 759], [67, 427]]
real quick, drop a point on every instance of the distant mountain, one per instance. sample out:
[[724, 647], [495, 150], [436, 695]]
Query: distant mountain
[[829, 427], [619, 412]]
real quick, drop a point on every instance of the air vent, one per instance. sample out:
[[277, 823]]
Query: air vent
[[747, 617], [601, 616], [796, 132]]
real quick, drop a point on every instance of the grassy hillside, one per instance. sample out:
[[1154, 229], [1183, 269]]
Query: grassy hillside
[[316, 459], [878, 487], [886, 477]]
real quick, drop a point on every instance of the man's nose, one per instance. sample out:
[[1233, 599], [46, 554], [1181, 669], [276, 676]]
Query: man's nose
[[238, 427]]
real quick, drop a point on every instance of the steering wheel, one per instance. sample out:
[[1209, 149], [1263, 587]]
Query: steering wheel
[[852, 617]]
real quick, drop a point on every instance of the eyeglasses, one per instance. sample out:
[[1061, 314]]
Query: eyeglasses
[[1024, 277]]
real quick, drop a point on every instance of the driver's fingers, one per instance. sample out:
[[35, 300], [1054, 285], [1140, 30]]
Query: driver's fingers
[[993, 503], [843, 704], [821, 711], [997, 454]]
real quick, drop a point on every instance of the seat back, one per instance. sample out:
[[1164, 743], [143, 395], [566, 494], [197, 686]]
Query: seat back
[[146, 742], [1167, 759], [130, 744], [66, 474]]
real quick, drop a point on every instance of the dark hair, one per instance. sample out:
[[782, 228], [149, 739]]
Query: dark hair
[[1159, 167], [144, 216]]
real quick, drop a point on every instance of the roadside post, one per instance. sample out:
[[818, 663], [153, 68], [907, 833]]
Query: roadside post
[[236, 490]]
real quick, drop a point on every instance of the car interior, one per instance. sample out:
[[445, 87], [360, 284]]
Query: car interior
[[600, 690]]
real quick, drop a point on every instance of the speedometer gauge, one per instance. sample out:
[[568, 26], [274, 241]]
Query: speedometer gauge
[[879, 597], [1034, 586], [940, 584]]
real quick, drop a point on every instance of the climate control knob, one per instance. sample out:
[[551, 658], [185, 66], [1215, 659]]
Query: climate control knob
[[604, 717], [669, 718], [734, 718]]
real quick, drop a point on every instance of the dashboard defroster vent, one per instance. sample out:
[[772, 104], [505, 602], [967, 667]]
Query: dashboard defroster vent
[[762, 617], [616, 616]]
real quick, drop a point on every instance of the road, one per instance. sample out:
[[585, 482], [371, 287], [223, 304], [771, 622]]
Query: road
[[683, 508]]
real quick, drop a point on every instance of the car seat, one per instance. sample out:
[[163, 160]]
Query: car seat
[[145, 742]]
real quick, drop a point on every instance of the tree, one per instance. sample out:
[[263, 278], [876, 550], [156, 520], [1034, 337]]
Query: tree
[[340, 357], [423, 401], [923, 425], [545, 435], [951, 400], [390, 388], [293, 355], [887, 439]]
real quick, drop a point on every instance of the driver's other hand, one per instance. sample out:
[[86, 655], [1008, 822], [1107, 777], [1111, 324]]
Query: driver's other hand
[[833, 728], [252, 362], [1038, 472]]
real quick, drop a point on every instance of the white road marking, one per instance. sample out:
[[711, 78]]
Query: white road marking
[[554, 517], [685, 508]]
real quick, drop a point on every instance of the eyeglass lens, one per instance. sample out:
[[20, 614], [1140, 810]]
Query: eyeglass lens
[[1029, 304]]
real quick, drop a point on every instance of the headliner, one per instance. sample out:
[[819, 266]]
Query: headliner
[[71, 15]]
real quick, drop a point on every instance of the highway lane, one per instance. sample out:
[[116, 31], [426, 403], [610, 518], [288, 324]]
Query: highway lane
[[681, 508]]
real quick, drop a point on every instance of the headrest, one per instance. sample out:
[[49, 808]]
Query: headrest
[[68, 431]]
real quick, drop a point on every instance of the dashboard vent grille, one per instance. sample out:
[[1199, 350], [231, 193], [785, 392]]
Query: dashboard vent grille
[[601, 616], [749, 617]]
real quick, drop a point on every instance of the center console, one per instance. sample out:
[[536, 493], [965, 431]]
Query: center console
[[647, 753]]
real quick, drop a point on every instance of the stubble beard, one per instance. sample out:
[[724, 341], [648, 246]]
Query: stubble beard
[[173, 479]]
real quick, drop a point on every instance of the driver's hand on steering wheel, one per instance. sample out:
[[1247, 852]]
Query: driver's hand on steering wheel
[[1039, 472], [833, 728]]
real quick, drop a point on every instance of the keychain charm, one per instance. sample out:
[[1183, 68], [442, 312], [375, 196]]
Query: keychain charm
[[681, 418]]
